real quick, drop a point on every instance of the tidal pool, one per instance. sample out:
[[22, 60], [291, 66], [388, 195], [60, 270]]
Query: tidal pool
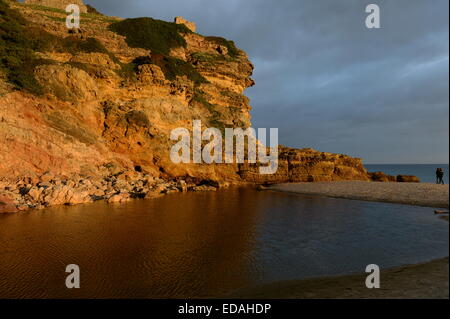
[[207, 244]]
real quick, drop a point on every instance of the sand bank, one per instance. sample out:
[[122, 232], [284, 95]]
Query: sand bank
[[420, 281], [421, 194]]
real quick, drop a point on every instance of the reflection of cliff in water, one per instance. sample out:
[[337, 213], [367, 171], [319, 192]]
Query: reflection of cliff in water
[[180, 245], [207, 244]]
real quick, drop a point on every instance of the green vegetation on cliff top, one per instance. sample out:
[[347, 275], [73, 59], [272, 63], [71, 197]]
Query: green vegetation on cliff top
[[17, 59], [151, 34], [161, 36], [92, 14], [19, 42]]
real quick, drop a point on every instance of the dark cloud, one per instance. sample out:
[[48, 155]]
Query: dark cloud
[[328, 82]]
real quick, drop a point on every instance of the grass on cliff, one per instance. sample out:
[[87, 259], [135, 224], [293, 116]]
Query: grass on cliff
[[215, 119], [19, 42], [42, 41], [208, 59], [171, 67], [92, 14], [159, 37], [42, 8], [232, 50], [151, 34], [17, 59]]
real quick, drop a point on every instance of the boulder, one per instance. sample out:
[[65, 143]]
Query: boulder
[[119, 198], [407, 179], [203, 188], [182, 186], [66, 82], [381, 177], [7, 204]]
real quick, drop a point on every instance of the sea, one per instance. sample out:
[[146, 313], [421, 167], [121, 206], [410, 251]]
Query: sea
[[425, 172]]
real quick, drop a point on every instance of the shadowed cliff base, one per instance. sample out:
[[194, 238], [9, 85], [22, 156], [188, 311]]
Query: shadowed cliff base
[[421, 281], [420, 194]]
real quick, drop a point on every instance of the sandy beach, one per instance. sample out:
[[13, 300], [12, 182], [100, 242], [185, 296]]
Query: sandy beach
[[420, 281], [421, 194]]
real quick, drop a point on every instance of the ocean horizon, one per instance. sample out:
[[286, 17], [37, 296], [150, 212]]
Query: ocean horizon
[[425, 172]]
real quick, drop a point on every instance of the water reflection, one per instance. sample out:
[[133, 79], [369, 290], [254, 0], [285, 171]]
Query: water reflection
[[207, 244]]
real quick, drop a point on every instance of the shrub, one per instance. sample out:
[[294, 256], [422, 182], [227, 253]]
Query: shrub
[[73, 44], [58, 19], [17, 59], [232, 50], [209, 59], [42, 41], [172, 67], [43, 8], [91, 69], [155, 35], [127, 71], [19, 41]]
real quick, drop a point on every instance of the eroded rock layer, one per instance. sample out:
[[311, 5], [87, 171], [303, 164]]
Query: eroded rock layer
[[60, 4]]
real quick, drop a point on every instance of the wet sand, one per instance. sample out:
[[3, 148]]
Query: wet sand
[[421, 194], [420, 281]]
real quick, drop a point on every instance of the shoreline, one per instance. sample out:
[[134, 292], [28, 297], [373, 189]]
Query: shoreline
[[417, 194], [428, 280], [28, 194]]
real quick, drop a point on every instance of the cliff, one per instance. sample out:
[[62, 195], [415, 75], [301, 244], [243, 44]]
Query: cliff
[[86, 114], [59, 4]]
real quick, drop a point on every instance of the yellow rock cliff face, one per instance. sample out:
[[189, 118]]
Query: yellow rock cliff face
[[307, 165], [93, 122]]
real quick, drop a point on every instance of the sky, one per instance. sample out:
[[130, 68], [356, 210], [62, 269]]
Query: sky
[[328, 82]]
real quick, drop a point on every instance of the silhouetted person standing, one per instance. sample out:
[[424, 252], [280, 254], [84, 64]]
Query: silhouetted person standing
[[439, 176]]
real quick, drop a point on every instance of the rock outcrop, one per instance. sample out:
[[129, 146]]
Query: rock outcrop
[[49, 190], [307, 165], [407, 179], [382, 177], [82, 110], [190, 25]]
